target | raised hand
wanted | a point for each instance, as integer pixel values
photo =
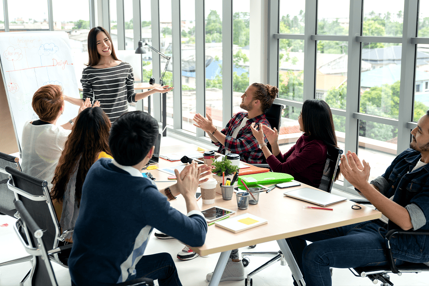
(272, 135)
(187, 185)
(204, 123)
(96, 104)
(353, 170)
(85, 104)
(163, 89)
(258, 134)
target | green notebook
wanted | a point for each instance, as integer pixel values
(264, 179)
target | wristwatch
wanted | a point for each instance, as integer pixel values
(262, 146)
(71, 122)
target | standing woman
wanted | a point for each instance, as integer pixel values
(107, 79)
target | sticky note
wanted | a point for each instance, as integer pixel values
(201, 149)
(248, 221)
(152, 167)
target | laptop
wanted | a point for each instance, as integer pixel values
(313, 196)
(155, 156)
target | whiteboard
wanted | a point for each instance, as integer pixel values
(30, 60)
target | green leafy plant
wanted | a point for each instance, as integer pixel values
(224, 165)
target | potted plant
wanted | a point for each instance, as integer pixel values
(221, 167)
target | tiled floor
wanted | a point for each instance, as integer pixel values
(192, 273)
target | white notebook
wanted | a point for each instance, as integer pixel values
(241, 222)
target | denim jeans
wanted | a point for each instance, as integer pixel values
(158, 266)
(356, 245)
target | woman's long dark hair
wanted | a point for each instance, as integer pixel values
(89, 136)
(94, 56)
(318, 123)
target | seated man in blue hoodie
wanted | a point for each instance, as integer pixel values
(119, 208)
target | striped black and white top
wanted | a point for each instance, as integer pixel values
(113, 87)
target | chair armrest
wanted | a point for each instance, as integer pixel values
(60, 248)
(389, 254)
(361, 201)
(64, 234)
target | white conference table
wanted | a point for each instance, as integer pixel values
(286, 218)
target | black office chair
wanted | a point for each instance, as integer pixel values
(6, 197)
(43, 273)
(35, 196)
(329, 173)
(381, 273)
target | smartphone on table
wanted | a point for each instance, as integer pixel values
(288, 185)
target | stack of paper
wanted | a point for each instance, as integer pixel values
(241, 222)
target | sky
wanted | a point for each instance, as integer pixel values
(78, 9)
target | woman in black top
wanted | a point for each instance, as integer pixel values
(107, 79)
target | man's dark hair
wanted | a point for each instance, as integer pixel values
(132, 136)
(427, 112)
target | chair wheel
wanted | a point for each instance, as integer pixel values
(252, 246)
(245, 261)
(248, 282)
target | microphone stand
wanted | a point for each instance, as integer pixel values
(164, 95)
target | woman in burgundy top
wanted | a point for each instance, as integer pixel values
(306, 159)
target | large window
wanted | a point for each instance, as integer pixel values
(188, 64)
(28, 15)
(146, 30)
(241, 51)
(364, 79)
(113, 23)
(213, 46)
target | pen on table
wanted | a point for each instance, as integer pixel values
(269, 189)
(319, 208)
(217, 220)
(234, 178)
(223, 178)
(248, 189)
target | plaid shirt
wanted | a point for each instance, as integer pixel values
(245, 144)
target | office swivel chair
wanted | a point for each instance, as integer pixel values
(6, 197)
(36, 247)
(381, 273)
(329, 173)
(34, 194)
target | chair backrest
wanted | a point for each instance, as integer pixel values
(42, 273)
(34, 194)
(274, 115)
(331, 168)
(6, 196)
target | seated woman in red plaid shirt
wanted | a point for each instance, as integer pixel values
(237, 136)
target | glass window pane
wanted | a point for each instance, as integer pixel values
(241, 35)
(377, 145)
(333, 21)
(340, 128)
(289, 131)
(1, 16)
(188, 64)
(27, 15)
(421, 84)
(380, 79)
(291, 69)
(292, 17)
(166, 49)
(383, 18)
(128, 19)
(423, 30)
(146, 38)
(213, 13)
(73, 18)
(113, 23)
(331, 73)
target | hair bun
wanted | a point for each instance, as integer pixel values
(272, 91)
